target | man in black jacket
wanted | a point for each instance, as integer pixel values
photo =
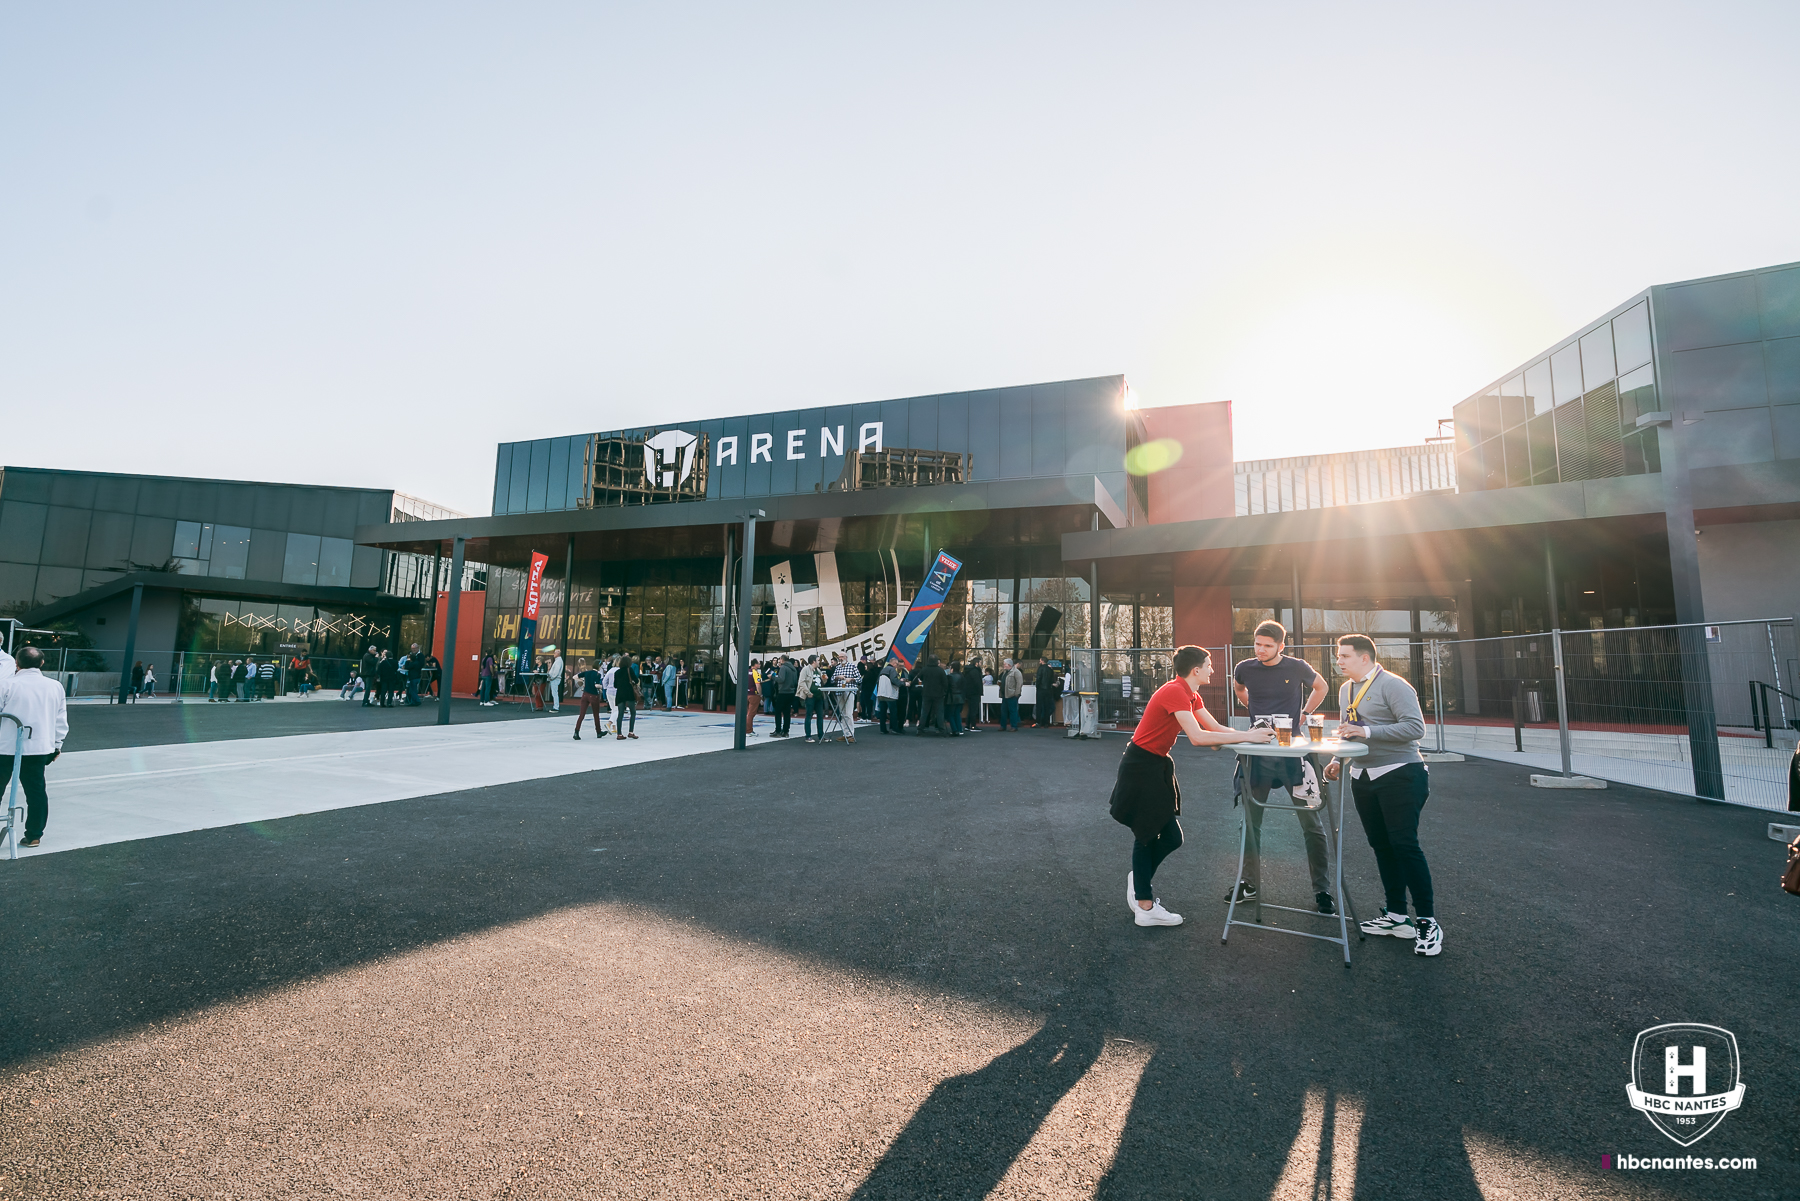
(371, 665)
(932, 686)
(972, 687)
(787, 682)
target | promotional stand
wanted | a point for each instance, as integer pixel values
(1330, 748)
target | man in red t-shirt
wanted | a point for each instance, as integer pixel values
(1146, 796)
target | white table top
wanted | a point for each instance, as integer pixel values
(1299, 749)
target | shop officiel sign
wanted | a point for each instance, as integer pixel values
(1666, 1058)
(795, 443)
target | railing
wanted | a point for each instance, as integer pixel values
(1694, 709)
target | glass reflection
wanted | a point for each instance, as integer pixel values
(1631, 336)
(1537, 387)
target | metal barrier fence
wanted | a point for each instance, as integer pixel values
(1704, 710)
(94, 672)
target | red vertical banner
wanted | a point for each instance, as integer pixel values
(534, 597)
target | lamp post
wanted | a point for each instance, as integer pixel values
(447, 666)
(742, 722)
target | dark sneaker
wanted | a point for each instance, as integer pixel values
(1244, 893)
(1397, 924)
(1430, 940)
(1326, 905)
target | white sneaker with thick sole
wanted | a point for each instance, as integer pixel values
(1430, 940)
(1156, 915)
(1131, 892)
(1397, 924)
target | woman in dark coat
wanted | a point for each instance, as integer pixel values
(626, 681)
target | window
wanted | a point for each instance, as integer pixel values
(1631, 337)
(1637, 396)
(1565, 373)
(192, 548)
(1537, 387)
(334, 562)
(230, 551)
(1597, 357)
(1514, 408)
(301, 565)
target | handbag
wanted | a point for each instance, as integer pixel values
(1790, 879)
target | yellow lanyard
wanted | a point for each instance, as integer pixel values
(1350, 714)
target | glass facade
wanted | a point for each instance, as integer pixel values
(1568, 415)
(1347, 478)
(1076, 428)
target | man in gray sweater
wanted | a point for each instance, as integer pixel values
(1389, 785)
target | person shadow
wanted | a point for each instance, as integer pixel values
(972, 1127)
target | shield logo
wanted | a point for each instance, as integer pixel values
(669, 458)
(1685, 1077)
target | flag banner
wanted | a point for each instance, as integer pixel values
(915, 627)
(534, 598)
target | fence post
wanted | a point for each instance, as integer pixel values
(1519, 715)
(1562, 701)
(1437, 690)
(131, 628)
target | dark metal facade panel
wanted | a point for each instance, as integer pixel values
(116, 493)
(268, 553)
(21, 530)
(152, 541)
(1717, 377)
(374, 506)
(73, 489)
(273, 510)
(1708, 312)
(198, 501)
(65, 537)
(365, 567)
(18, 585)
(1729, 438)
(109, 541)
(24, 484)
(307, 512)
(1782, 365)
(1779, 295)
(55, 583)
(339, 518)
(159, 498)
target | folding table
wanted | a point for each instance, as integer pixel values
(1330, 748)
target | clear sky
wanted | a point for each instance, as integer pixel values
(362, 243)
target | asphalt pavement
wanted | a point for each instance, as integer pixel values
(898, 969)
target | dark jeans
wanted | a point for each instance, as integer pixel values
(815, 709)
(931, 717)
(619, 718)
(974, 717)
(1389, 808)
(1009, 713)
(884, 715)
(31, 779)
(784, 712)
(953, 715)
(1146, 857)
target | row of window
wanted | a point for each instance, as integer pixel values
(202, 548)
(1328, 480)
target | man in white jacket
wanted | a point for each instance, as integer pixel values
(40, 705)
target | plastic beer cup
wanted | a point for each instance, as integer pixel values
(1315, 727)
(1284, 730)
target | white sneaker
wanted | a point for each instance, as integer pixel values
(1131, 892)
(1430, 940)
(1397, 924)
(1156, 915)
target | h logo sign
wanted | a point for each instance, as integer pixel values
(669, 458)
(1674, 1073)
(1683, 1051)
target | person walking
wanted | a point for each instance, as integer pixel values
(265, 674)
(212, 684)
(488, 670)
(953, 697)
(1044, 706)
(556, 683)
(371, 668)
(1012, 687)
(973, 686)
(588, 685)
(669, 676)
(625, 690)
(887, 695)
(932, 689)
(1390, 786)
(806, 696)
(42, 707)
(387, 675)
(137, 680)
(1146, 795)
(433, 669)
(1269, 683)
(150, 680)
(787, 692)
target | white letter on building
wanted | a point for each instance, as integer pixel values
(759, 445)
(869, 436)
(795, 449)
(830, 444)
(727, 446)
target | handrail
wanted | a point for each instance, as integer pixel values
(1760, 718)
(8, 806)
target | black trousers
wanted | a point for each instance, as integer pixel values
(784, 711)
(31, 779)
(1389, 808)
(626, 712)
(1146, 857)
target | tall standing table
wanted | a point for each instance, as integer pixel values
(1299, 749)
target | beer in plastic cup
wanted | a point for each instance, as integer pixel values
(1315, 727)
(1284, 730)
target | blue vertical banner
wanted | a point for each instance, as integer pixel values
(915, 627)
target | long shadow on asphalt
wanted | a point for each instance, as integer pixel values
(987, 867)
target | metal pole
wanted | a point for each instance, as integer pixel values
(1437, 689)
(137, 604)
(437, 560)
(1550, 584)
(447, 670)
(740, 720)
(568, 591)
(1562, 700)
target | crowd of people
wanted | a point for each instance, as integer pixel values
(943, 700)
